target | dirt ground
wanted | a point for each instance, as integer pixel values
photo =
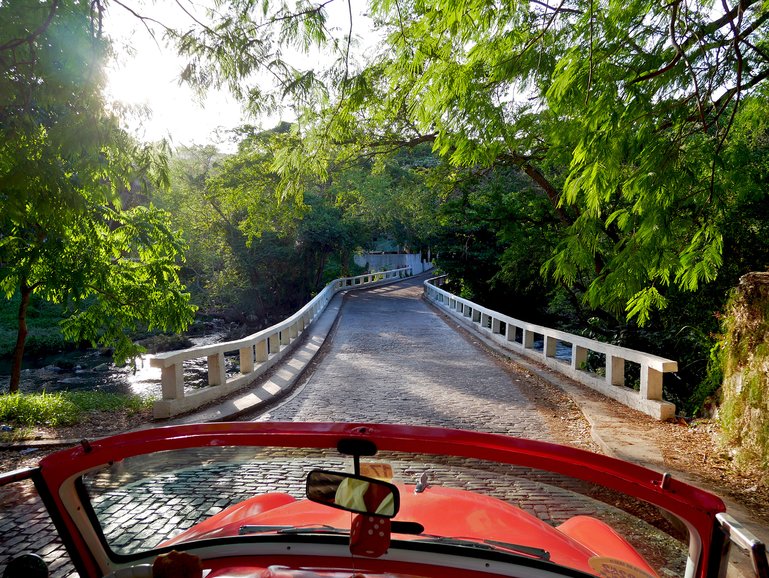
(692, 448)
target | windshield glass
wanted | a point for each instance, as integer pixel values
(251, 493)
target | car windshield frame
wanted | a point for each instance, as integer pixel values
(59, 473)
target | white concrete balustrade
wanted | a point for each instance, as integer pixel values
(258, 352)
(542, 344)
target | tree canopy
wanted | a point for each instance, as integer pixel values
(621, 113)
(67, 172)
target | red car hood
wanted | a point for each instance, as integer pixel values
(444, 512)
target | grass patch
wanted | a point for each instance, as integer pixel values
(51, 409)
(99, 401)
(64, 408)
(18, 434)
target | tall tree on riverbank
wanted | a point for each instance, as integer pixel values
(64, 163)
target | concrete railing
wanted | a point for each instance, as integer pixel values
(566, 353)
(258, 352)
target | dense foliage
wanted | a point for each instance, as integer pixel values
(256, 256)
(64, 165)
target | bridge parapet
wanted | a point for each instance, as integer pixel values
(258, 352)
(548, 346)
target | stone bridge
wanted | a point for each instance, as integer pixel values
(401, 333)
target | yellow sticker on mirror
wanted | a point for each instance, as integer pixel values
(614, 568)
(378, 471)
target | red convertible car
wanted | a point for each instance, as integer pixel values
(311, 500)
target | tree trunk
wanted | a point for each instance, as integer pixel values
(321, 267)
(18, 351)
(344, 258)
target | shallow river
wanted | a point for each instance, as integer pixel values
(90, 370)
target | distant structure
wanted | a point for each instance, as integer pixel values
(384, 254)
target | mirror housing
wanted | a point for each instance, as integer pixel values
(353, 493)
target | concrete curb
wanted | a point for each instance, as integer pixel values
(590, 409)
(264, 393)
(44, 444)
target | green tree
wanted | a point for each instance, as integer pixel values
(208, 267)
(392, 195)
(64, 164)
(251, 248)
(620, 113)
(495, 232)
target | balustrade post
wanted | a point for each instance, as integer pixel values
(293, 331)
(651, 383)
(484, 320)
(285, 339)
(172, 381)
(615, 370)
(496, 326)
(246, 359)
(274, 343)
(216, 369)
(476, 315)
(550, 346)
(528, 339)
(261, 351)
(510, 332)
(578, 357)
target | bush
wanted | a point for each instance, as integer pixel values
(51, 409)
(744, 410)
(64, 408)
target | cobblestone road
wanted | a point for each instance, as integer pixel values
(391, 359)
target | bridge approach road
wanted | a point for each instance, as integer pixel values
(393, 359)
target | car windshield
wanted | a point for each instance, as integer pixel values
(147, 502)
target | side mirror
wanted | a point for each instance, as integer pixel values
(353, 493)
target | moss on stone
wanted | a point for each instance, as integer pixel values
(744, 411)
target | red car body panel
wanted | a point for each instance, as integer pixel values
(442, 511)
(695, 506)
